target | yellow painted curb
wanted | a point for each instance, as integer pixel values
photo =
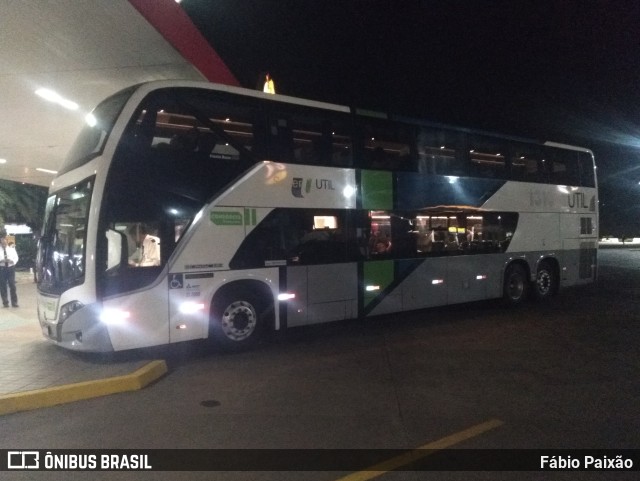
(40, 398)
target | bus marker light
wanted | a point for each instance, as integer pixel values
(481, 277)
(91, 120)
(285, 296)
(372, 288)
(348, 191)
(190, 307)
(114, 317)
(437, 281)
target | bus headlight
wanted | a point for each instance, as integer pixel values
(68, 309)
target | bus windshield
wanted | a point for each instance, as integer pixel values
(63, 245)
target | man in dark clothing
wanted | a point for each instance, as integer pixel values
(8, 261)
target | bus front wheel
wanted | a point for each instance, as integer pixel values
(237, 320)
(515, 285)
(546, 284)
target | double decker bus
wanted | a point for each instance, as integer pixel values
(191, 210)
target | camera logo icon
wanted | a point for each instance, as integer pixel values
(23, 460)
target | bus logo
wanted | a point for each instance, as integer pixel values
(577, 200)
(296, 187)
(226, 218)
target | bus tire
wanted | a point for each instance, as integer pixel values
(238, 319)
(516, 285)
(546, 283)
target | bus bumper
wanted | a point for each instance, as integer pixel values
(81, 331)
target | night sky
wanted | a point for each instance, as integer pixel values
(563, 70)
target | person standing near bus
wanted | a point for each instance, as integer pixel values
(8, 261)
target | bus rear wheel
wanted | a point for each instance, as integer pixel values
(516, 285)
(237, 320)
(546, 284)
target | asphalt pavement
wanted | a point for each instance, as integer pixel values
(34, 373)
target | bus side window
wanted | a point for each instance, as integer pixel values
(403, 237)
(393, 235)
(487, 157)
(387, 145)
(440, 152)
(324, 238)
(526, 163)
(587, 171)
(497, 230)
(268, 241)
(358, 228)
(562, 166)
(310, 136)
(341, 147)
(281, 146)
(379, 234)
(295, 237)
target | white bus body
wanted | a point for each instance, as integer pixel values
(269, 212)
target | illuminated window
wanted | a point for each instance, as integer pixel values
(325, 222)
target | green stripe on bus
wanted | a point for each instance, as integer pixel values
(249, 216)
(377, 190)
(377, 276)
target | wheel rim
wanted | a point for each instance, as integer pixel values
(239, 320)
(515, 286)
(543, 282)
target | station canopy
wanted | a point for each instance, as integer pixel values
(59, 59)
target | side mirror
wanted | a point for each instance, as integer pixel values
(115, 241)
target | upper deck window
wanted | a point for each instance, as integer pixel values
(92, 138)
(487, 157)
(386, 145)
(303, 135)
(562, 166)
(440, 152)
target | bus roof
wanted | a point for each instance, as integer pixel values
(153, 85)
